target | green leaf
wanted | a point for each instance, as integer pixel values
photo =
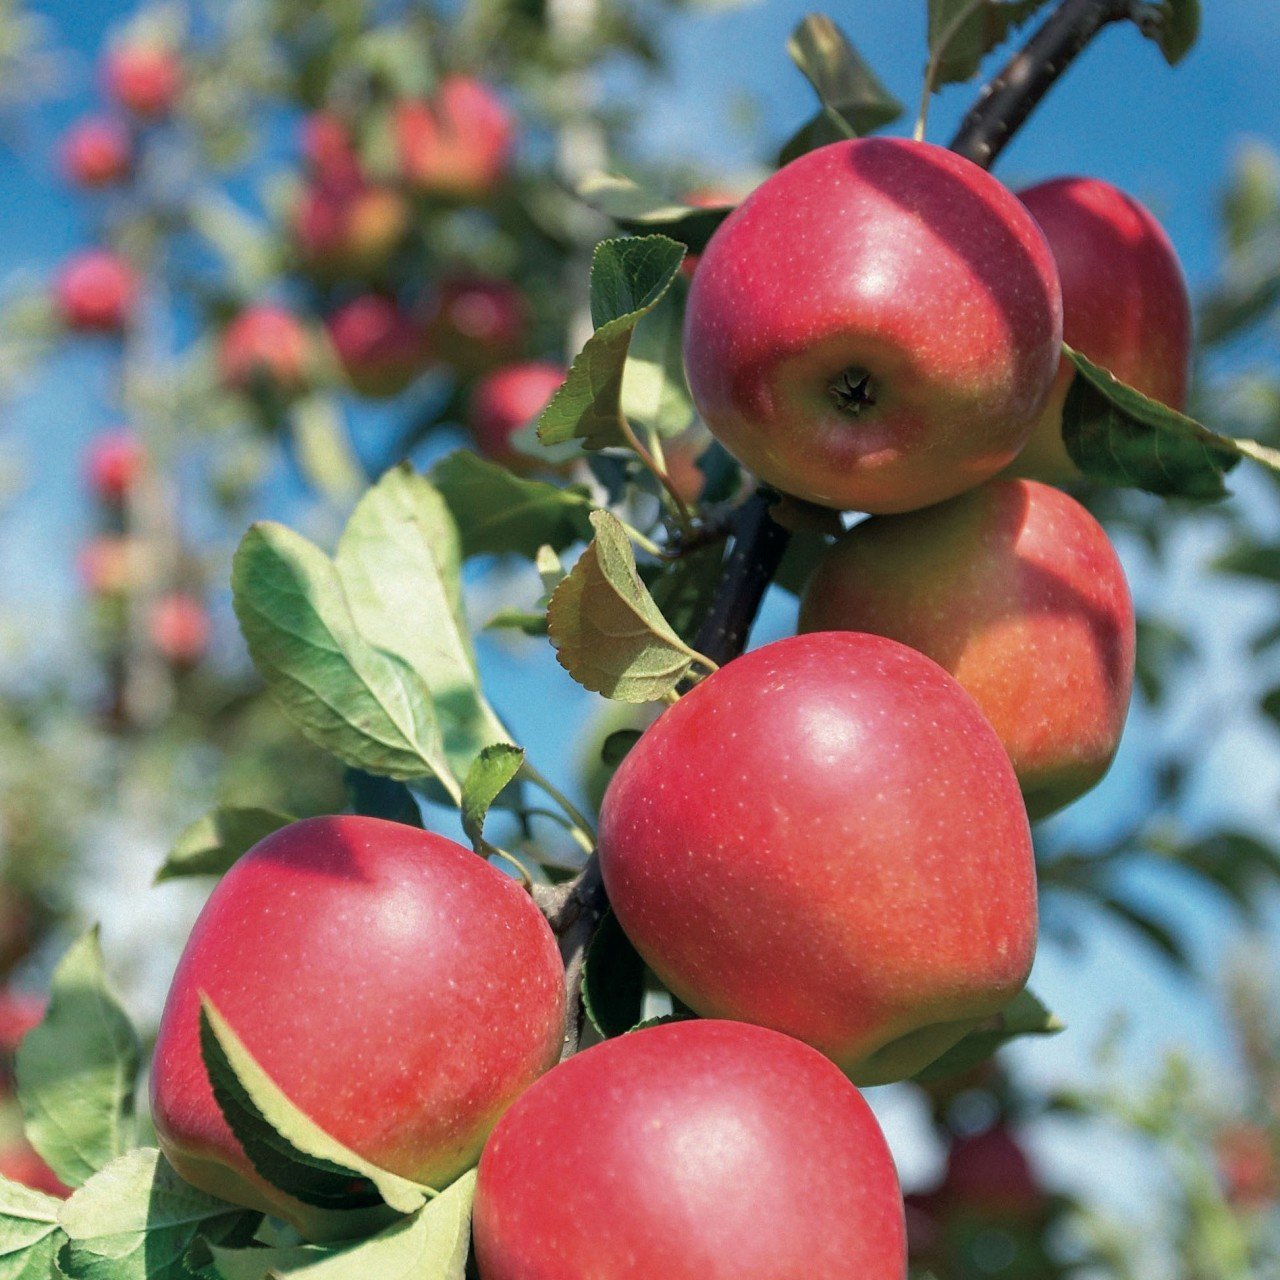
(1116, 434)
(655, 395)
(1251, 560)
(608, 633)
(136, 1219)
(854, 102)
(628, 279)
(612, 980)
(1023, 1016)
(432, 1244)
(636, 209)
(213, 842)
(376, 797)
(78, 1070)
(1248, 291)
(1161, 649)
(286, 1147)
(1158, 934)
(614, 749)
(497, 511)
(963, 32)
(399, 560)
(522, 620)
(683, 590)
(1239, 865)
(1178, 29)
(494, 770)
(324, 450)
(30, 1237)
(365, 706)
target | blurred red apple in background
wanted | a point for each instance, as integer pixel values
(356, 228)
(477, 322)
(113, 464)
(329, 152)
(179, 628)
(1016, 590)
(265, 348)
(456, 144)
(97, 152)
(504, 401)
(1124, 304)
(697, 1150)
(104, 565)
(382, 347)
(95, 290)
(1248, 1166)
(144, 77)
(990, 1176)
(398, 989)
(876, 327)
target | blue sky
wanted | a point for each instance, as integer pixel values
(1165, 135)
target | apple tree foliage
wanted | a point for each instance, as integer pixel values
(362, 624)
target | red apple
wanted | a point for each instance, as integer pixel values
(329, 152)
(1124, 304)
(143, 76)
(20, 1163)
(179, 627)
(397, 988)
(97, 152)
(876, 327)
(382, 347)
(355, 228)
(1248, 1167)
(826, 837)
(690, 1151)
(477, 322)
(113, 464)
(1017, 591)
(989, 1176)
(95, 291)
(265, 348)
(456, 144)
(18, 1014)
(506, 400)
(105, 564)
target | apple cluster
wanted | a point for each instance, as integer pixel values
(823, 848)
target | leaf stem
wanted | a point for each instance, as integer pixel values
(934, 66)
(683, 514)
(571, 811)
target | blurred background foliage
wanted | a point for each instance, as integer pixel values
(299, 302)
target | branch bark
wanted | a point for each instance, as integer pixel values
(1004, 104)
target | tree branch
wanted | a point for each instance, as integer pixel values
(1005, 103)
(574, 910)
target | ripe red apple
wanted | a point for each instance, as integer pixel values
(477, 322)
(354, 228)
(397, 988)
(1124, 304)
(1016, 590)
(382, 347)
(265, 348)
(143, 76)
(97, 152)
(690, 1151)
(179, 627)
(876, 327)
(1248, 1166)
(826, 837)
(113, 464)
(506, 400)
(989, 1176)
(457, 144)
(329, 152)
(95, 291)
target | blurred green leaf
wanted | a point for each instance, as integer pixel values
(1251, 560)
(1178, 29)
(612, 980)
(1162, 648)
(655, 395)
(635, 209)
(963, 32)
(78, 1070)
(213, 842)
(629, 277)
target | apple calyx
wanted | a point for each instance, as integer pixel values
(853, 391)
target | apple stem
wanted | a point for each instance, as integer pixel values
(683, 515)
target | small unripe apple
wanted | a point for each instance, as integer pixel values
(1017, 591)
(690, 1151)
(876, 327)
(506, 400)
(95, 291)
(97, 152)
(398, 989)
(143, 76)
(477, 322)
(1124, 304)
(457, 144)
(265, 348)
(179, 627)
(382, 347)
(989, 1175)
(104, 565)
(113, 464)
(826, 837)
